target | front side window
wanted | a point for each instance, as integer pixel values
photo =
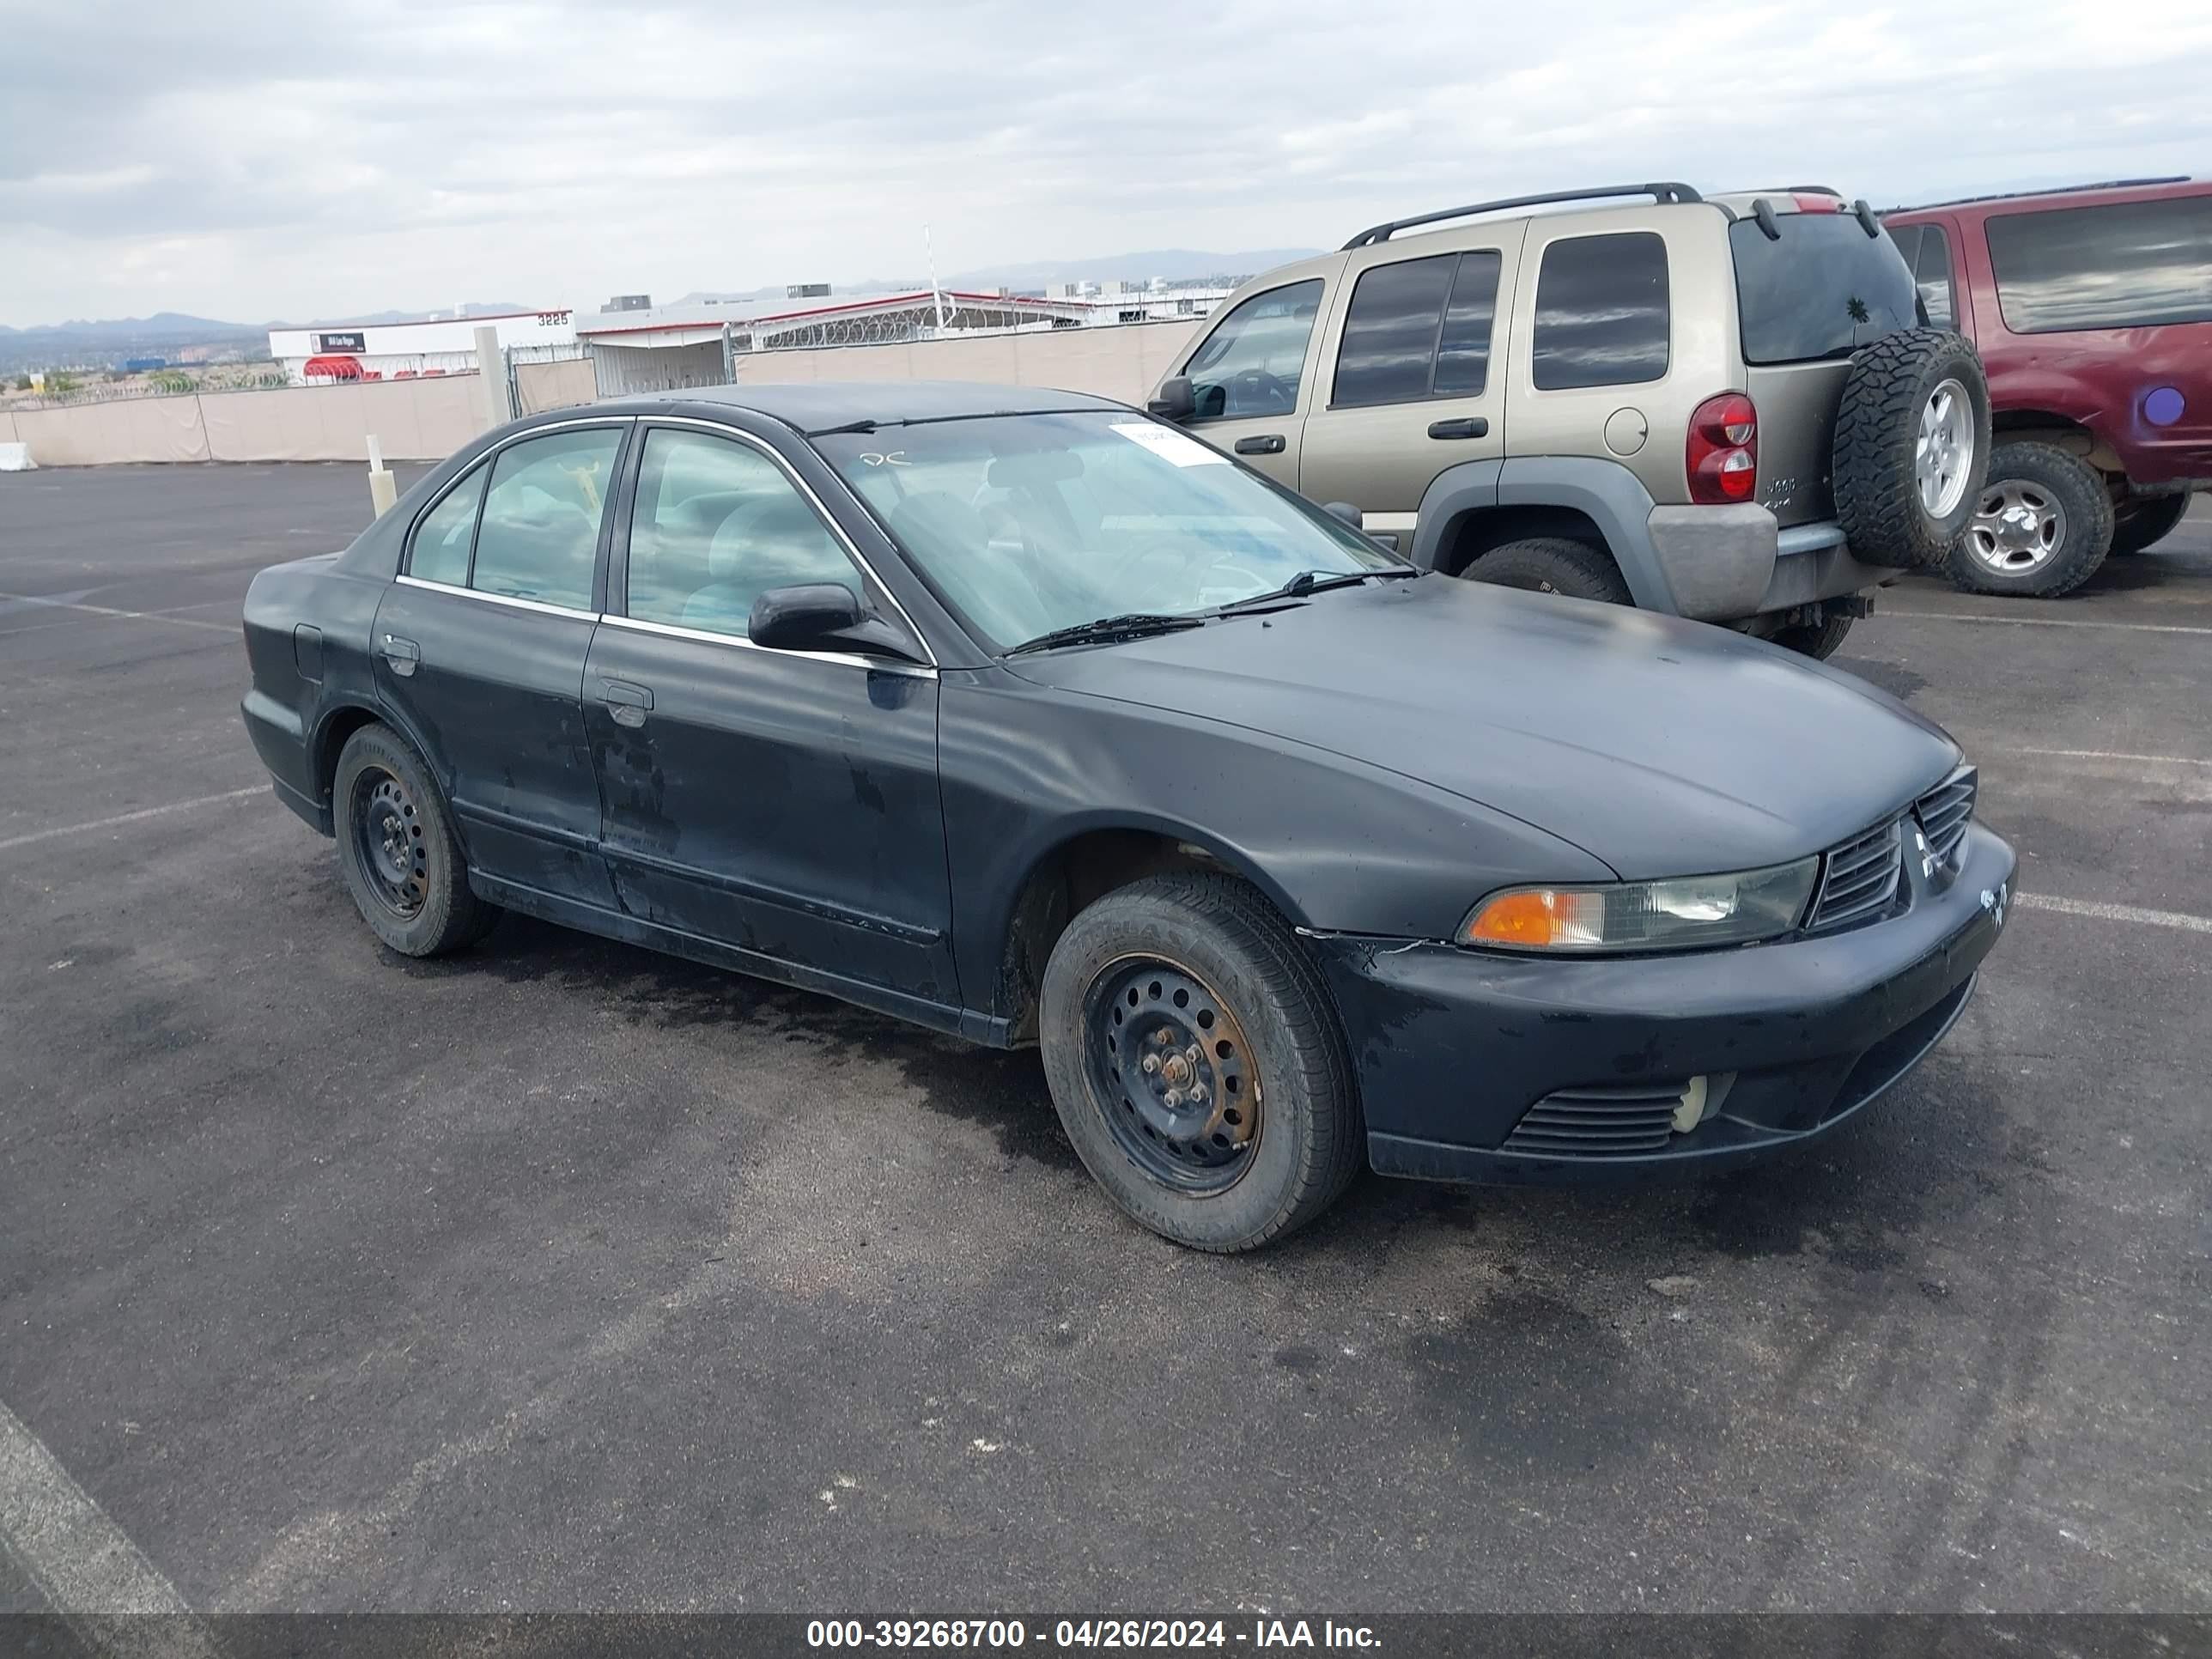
(1932, 271)
(1601, 311)
(2129, 266)
(716, 525)
(1417, 329)
(1024, 523)
(440, 548)
(539, 538)
(1252, 362)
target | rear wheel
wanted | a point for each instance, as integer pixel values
(2142, 521)
(1820, 640)
(1195, 1061)
(2043, 525)
(398, 852)
(1553, 564)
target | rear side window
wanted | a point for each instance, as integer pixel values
(539, 538)
(1824, 289)
(2128, 266)
(1417, 329)
(440, 551)
(1252, 362)
(1601, 311)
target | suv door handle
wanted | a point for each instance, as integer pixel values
(402, 654)
(1473, 427)
(627, 703)
(1269, 444)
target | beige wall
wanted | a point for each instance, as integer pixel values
(1123, 363)
(540, 386)
(140, 429)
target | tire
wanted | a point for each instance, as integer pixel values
(397, 849)
(2045, 525)
(2144, 521)
(1918, 395)
(1553, 564)
(1228, 1177)
(1818, 641)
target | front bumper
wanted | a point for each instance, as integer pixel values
(1453, 1048)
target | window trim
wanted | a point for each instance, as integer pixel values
(873, 583)
(1536, 309)
(1312, 333)
(1435, 341)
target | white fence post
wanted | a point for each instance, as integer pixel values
(491, 369)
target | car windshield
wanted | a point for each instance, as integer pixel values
(1028, 524)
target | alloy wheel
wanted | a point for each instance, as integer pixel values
(2019, 527)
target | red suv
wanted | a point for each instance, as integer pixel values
(2092, 310)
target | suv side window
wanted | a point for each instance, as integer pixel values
(716, 524)
(539, 538)
(440, 551)
(1417, 329)
(1252, 362)
(1601, 311)
(2126, 266)
(1932, 271)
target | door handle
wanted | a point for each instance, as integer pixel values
(402, 654)
(627, 703)
(1269, 444)
(1473, 427)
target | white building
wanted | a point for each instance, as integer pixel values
(404, 351)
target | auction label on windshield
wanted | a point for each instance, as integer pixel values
(1169, 445)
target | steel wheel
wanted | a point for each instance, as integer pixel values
(1174, 1074)
(1943, 455)
(2018, 527)
(388, 841)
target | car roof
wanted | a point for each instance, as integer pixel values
(809, 408)
(2103, 194)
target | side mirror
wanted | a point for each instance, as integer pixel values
(1174, 401)
(1344, 512)
(804, 616)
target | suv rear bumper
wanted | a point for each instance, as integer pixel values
(1724, 563)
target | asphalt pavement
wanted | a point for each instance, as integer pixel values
(561, 1275)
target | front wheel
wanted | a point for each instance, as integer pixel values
(2043, 525)
(1195, 1061)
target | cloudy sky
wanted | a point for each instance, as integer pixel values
(247, 159)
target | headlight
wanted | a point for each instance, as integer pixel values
(1689, 913)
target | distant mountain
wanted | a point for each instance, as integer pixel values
(82, 344)
(1173, 265)
(162, 325)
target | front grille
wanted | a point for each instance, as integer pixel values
(1858, 880)
(1600, 1121)
(1946, 811)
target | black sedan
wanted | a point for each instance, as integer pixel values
(1025, 717)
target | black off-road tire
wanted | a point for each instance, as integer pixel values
(2144, 521)
(1308, 1140)
(1818, 641)
(1553, 564)
(2078, 488)
(378, 773)
(1877, 438)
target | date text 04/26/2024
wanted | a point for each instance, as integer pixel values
(1006, 1634)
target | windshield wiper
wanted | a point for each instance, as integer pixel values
(1313, 581)
(1136, 625)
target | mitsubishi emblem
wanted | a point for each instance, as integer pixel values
(1927, 854)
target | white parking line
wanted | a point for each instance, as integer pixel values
(2127, 913)
(110, 610)
(131, 818)
(2103, 755)
(88, 1570)
(2046, 622)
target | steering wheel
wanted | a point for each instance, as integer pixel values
(1259, 392)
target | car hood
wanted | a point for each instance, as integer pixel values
(1663, 747)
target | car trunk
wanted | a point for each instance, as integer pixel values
(1808, 296)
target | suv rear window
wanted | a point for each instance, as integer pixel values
(1824, 290)
(1602, 317)
(2127, 266)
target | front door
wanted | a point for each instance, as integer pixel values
(479, 653)
(1248, 379)
(785, 803)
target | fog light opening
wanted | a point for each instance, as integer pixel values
(1701, 1100)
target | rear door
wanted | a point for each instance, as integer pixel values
(1409, 387)
(479, 652)
(1252, 378)
(784, 802)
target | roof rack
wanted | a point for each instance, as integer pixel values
(2054, 190)
(1661, 191)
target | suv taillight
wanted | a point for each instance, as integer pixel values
(1723, 453)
